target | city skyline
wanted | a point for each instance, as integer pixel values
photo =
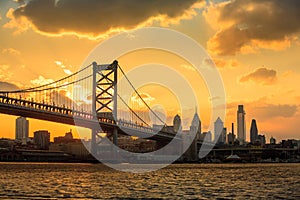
(149, 99)
(258, 70)
(220, 131)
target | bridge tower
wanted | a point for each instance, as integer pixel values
(104, 98)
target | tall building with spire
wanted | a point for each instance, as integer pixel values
(253, 132)
(192, 137)
(196, 124)
(177, 124)
(218, 129)
(241, 125)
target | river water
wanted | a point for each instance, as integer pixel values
(180, 181)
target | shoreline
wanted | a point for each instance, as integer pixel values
(146, 163)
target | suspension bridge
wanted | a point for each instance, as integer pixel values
(90, 98)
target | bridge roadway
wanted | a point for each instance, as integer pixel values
(54, 113)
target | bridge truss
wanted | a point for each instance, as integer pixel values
(91, 94)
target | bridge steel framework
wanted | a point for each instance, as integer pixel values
(44, 103)
(104, 99)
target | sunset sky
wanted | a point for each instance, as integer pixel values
(254, 43)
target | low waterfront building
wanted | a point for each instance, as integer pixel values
(68, 138)
(272, 140)
(261, 139)
(206, 135)
(137, 145)
(42, 139)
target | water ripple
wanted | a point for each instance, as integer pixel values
(187, 181)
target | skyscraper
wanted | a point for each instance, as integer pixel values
(223, 136)
(196, 125)
(231, 136)
(22, 129)
(195, 128)
(218, 126)
(253, 132)
(241, 125)
(177, 123)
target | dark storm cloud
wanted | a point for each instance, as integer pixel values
(263, 75)
(95, 17)
(5, 86)
(246, 20)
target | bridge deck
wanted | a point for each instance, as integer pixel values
(54, 113)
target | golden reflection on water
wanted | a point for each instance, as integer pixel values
(230, 181)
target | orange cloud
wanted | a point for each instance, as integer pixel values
(64, 68)
(287, 129)
(263, 76)
(146, 97)
(11, 51)
(41, 81)
(5, 86)
(226, 63)
(188, 67)
(11, 56)
(5, 74)
(20, 24)
(220, 63)
(263, 110)
(97, 18)
(19, 1)
(244, 26)
(269, 111)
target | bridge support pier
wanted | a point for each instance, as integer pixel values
(189, 142)
(115, 136)
(104, 99)
(160, 144)
(171, 150)
(94, 142)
